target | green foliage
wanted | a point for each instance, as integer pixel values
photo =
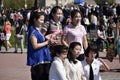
(102, 1)
(12, 40)
(17, 4)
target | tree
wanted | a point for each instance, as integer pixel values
(18, 4)
(1, 4)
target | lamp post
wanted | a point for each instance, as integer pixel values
(57, 2)
(1, 4)
(25, 5)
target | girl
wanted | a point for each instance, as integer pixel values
(54, 29)
(74, 67)
(38, 54)
(8, 33)
(57, 69)
(75, 32)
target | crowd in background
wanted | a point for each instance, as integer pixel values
(51, 32)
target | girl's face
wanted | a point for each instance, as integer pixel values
(76, 51)
(63, 56)
(91, 55)
(77, 18)
(40, 21)
(58, 15)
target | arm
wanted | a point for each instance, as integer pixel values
(105, 66)
(85, 43)
(98, 32)
(63, 41)
(38, 45)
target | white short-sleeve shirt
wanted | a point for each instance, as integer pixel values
(96, 69)
(75, 34)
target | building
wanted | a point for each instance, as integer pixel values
(45, 3)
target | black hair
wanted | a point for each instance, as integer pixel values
(73, 13)
(53, 11)
(70, 54)
(59, 49)
(92, 47)
(34, 15)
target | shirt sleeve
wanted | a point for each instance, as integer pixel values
(84, 31)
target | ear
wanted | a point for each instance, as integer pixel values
(53, 14)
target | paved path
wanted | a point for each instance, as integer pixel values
(13, 67)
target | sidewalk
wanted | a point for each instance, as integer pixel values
(11, 50)
(13, 66)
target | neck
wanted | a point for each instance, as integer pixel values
(89, 61)
(75, 25)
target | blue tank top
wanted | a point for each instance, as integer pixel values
(35, 56)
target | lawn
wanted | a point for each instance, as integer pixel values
(12, 39)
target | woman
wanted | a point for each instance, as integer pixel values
(57, 69)
(110, 35)
(55, 26)
(38, 54)
(117, 38)
(8, 33)
(54, 29)
(75, 32)
(74, 67)
(102, 38)
(92, 63)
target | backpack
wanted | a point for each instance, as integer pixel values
(2, 36)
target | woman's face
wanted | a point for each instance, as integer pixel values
(76, 51)
(40, 21)
(58, 15)
(77, 18)
(63, 56)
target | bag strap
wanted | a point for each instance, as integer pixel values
(21, 29)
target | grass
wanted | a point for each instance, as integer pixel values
(12, 39)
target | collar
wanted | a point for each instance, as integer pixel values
(53, 22)
(76, 26)
(58, 59)
(37, 28)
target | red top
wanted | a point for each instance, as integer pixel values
(8, 29)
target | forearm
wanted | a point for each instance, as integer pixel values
(85, 43)
(37, 45)
(64, 42)
(104, 64)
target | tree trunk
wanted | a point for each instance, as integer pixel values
(57, 2)
(35, 4)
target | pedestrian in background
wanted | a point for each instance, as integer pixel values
(117, 38)
(19, 36)
(38, 54)
(7, 27)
